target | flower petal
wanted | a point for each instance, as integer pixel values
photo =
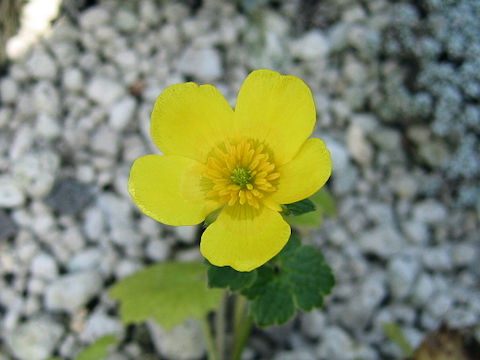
(190, 120)
(244, 238)
(168, 189)
(305, 174)
(276, 109)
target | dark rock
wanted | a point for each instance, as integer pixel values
(7, 226)
(70, 197)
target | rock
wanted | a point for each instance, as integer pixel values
(339, 154)
(122, 113)
(94, 225)
(423, 290)
(41, 66)
(313, 324)
(186, 234)
(8, 90)
(93, 17)
(126, 20)
(416, 231)
(157, 250)
(105, 141)
(301, 354)
(104, 91)
(358, 146)
(72, 291)
(437, 258)
(183, 342)
(100, 324)
(44, 266)
(383, 240)
(434, 153)
(47, 126)
(438, 306)
(87, 259)
(34, 340)
(7, 226)
(73, 79)
(464, 254)
(402, 272)
(68, 196)
(336, 344)
(430, 211)
(387, 139)
(313, 45)
(11, 194)
(203, 64)
(22, 141)
(35, 172)
(46, 99)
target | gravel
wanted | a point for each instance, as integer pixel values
(74, 115)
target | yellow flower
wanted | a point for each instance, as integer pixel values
(245, 162)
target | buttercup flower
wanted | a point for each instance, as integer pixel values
(245, 162)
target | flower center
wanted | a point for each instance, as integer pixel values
(241, 173)
(241, 176)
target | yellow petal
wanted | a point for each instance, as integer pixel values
(168, 189)
(190, 120)
(276, 109)
(244, 238)
(305, 174)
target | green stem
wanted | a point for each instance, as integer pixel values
(220, 328)
(242, 325)
(209, 339)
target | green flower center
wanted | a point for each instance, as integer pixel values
(241, 176)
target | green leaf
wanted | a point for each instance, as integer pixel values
(324, 204)
(298, 208)
(211, 217)
(168, 292)
(299, 278)
(394, 333)
(99, 349)
(225, 276)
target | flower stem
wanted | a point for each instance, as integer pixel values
(242, 323)
(220, 327)
(207, 331)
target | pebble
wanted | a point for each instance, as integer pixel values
(41, 66)
(402, 272)
(87, 259)
(72, 291)
(44, 266)
(99, 324)
(430, 212)
(204, 64)
(437, 258)
(383, 240)
(358, 146)
(73, 79)
(7, 227)
(68, 196)
(183, 342)
(122, 113)
(104, 91)
(423, 290)
(46, 99)
(313, 324)
(8, 90)
(105, 141)
(94, 17)
(47, 126)
(11, 195)
(313, 45)
(157, 250)
(35, 339)
(186, 234)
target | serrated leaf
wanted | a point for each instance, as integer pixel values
(168, 292)
(99, 349)
(300, 207)
(324, 204)
(299, 278)
(225, 276)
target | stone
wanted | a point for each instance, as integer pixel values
(416, 231)
(94, 224)
(438, 306)
(186, 234)
(35, 339)
(73, 79)
(93, 17)
(47, 126)
(402, 272)
(336, 344)
(464, 254)
(157, 250)
(313, 324)
(104, 91)
(35, 172)
(204, 64)
(313, 45)
(11, 195)
(22, 141)
(382, 240)
(44, 266)
(126, 20)
(72, 291)
(8, 90)
(437, 258)
(46, 99)
(69, 197)
(358, 146)
(41, 66)
(87, 259)
(99, 324)
(183, 342)
(8, 228)
(122, 113)
(423, 290)
(105, 141)
(430, 211)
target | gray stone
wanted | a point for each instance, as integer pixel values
(69, 196)
(204, 64)
(465, 254)
(437, 258)
(430, 211)
(8, 90)
(313, 324)
(416, 231)
(47, 126)
(87, 259)
(73, 79)
(22, 140)
(313, 45)
(439, 305)
(36, 171)
(105, 141)
(157, 250)
(104, 91)
(423, 290)
(7, 226)
(44, 266)
(383, 240)
(46, 99)
(336, 344)
(358, 146)
(72, 291)
(183, 342)
(94, 17)
(94, 225)
(186, 234)
(34, 340)
(41, 66)
(402, 272)
(434, 153)
(11, 194)
(122, 113)
(126, 20)
(100, 324)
